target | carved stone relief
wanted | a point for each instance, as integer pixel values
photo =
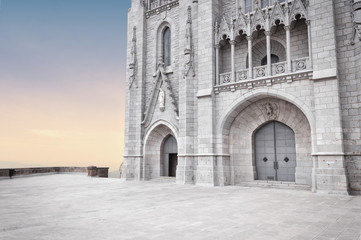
(270, 110)
(356, 16)
(160, 72)
(265, 18)
(161, 100)
(188, 51)
(133, 62)
(160, 77)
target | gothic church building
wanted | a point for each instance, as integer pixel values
(237, 92)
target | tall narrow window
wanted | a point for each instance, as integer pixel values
(166, 47)
(264, 3)
(248, 5)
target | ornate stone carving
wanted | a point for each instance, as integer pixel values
(161, 100)
(133, 62)
(265, 18)
(156, 9)
(160, 72)
(226, 78)
(259, 19)
(222, 30)
(301, 64)
(188, 51)
(241, 23)
(280, 68)
(260, 71)
(298, 7)
(277, 14)
(160, 77)
(270, 110)
(356, 17)
(242, 75)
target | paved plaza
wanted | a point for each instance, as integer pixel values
(66, 206)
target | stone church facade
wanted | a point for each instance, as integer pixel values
(228, 92)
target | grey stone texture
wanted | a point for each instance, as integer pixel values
(316, 87)
(68, 206)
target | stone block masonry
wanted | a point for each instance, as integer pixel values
(231, 73)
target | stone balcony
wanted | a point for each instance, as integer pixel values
(301, 69)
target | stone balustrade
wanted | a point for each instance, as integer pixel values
(280, 68)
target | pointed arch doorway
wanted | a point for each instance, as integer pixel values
(275, 152)
(170, 156)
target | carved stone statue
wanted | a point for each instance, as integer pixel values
(133, 62)
(188, 51)
(271, 110)
(160, 70)
(161, 100)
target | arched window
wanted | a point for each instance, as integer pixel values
(274, 59)
(264, 3)
(166, 47)
(248, 5)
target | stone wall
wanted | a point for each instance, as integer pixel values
(4, 172)
(322, 104)
(349, 69)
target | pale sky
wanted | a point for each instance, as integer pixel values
(62, 78)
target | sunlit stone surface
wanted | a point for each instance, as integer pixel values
(79, 207)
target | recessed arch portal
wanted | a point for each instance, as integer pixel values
(237, 133)
(155, 146)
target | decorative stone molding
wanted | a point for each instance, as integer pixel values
(264, 82)
(160, 77)
(223, 30)
(258, 19)
(277, 14)
(188, 51)
(155, 10)
(356, 17)
(248, 23)
(133, 62)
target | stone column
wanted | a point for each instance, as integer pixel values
(204, 155)
(314, 173)
(217, 64)
(331, 176)
(187, 92)
(132, 168)
(269, 61)
(233, 77)
(250, 67)
(308, 22)
(288, 40)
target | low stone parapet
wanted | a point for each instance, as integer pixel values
(94, 171)
(17, 172)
